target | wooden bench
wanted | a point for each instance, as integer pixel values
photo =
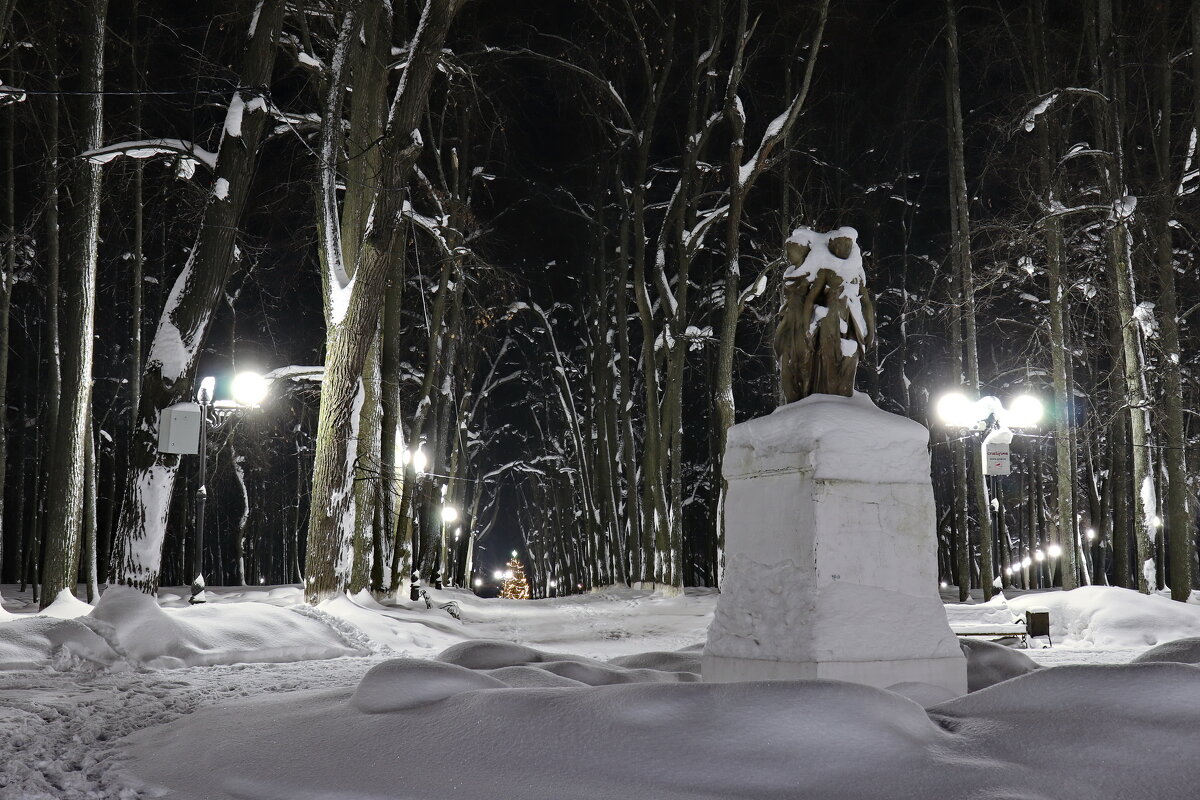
(995, 630)
(1035, 624)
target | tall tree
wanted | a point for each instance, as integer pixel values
(356, 299)
(960, 250)
(1110, 113)
(1180, 528)
(170, 369)
(69, 454)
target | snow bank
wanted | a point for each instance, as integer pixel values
(141, 632)
(1108, 616)
(440, 730)
(129, 629)
(27, 644)
(272, 624)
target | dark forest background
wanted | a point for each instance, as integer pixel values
(579, 157)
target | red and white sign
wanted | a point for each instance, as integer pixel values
(996, 459)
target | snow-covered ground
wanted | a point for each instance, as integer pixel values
(592, 696)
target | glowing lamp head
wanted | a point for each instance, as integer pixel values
(553, 583)
(249, 389)
(498, 575)
(1027, 562)
(1091, 534)
(1157, 521)
(205, 393)
(956, 410)
(478, 582)
(417, 459)
(449, 513)
(1039, 556)
(1025, 411)
(1054, 551)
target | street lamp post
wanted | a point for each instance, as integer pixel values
(448, 515)
(415, 459)
(249, 389)
(994, 421)
(204, 398)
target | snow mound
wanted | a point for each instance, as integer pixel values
(1108, 616)
(403, 683)
(527, 677)
(1180, 651)
(597, 674)
(26, 643)
(490, 654)
(678, 661)
(521, 663)
(66, 606)
(989, 663)
(141, 633)
(803, 739)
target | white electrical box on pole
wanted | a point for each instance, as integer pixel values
(179, 429)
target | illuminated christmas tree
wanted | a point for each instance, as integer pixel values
(516, 586)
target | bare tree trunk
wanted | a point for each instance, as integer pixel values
(1180, 529)
(1121, 276)
(368, 548)
(9, 232)
(90, 575)
(961, 250)
(171, 363)
(1059, 355)
(64, 513)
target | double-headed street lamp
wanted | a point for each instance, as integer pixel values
(994, 421)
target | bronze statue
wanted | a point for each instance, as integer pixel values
(827, 320)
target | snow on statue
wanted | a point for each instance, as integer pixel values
(827, 319)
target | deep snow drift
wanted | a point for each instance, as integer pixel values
(592, 696)
(417, 728)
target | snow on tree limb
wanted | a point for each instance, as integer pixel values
(780, 127)
(148, 148)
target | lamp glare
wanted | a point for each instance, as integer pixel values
(249, 389)
(1025, 411)
(955, 409)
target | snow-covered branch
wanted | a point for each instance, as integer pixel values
(148, 148)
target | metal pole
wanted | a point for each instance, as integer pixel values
(414, 578)
(201, 500)
(440, 566)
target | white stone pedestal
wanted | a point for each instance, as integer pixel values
(831, 554)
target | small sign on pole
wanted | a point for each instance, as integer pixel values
(996, 458)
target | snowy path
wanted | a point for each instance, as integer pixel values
(60, 732)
